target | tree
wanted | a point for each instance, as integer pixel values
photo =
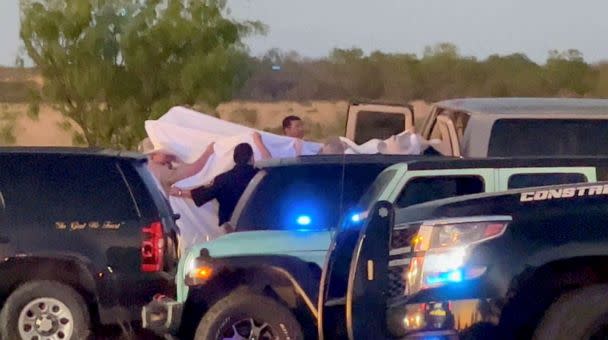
(111, 64)
(568, 72)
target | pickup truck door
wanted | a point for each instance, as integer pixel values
(450, 143)
(357, 302)
(367, 121)
(430, 121)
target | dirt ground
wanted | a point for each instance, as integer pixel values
(324, 118)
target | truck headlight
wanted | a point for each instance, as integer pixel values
(442, 247)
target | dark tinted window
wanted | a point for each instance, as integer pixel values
(305, 197)
(150, 200)
(380, 125)
(526, 137)
(65, 189)
(424, 189)
(538, 180)
(602, 173)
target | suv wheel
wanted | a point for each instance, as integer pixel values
(44, 310)
(244, 316)
(580, 314)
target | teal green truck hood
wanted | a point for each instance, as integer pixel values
(310, 246)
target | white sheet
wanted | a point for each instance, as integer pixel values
(187, 133)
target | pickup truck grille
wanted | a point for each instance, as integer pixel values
(399, 259)
(396, 281)
(401, 238)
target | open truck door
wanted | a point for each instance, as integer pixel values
(353, 295)
(367, 121)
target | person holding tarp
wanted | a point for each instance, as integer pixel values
(161, 164)
(226, 188)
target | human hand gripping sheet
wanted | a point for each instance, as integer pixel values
(186, 134)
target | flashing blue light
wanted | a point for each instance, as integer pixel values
(303, 220)
(355, 218)
(453, 276)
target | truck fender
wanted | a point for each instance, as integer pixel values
(69, 269)
(259, 272)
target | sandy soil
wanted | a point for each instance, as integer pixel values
(49, 129)
(324, 118)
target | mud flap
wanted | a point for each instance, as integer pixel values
(352, 297)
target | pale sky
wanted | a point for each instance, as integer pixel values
(477, 27)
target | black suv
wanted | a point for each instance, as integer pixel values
(86, 239)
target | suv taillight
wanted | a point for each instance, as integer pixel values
(152, 248)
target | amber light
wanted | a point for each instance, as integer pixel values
(202, 273)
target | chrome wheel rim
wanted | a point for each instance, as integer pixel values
(247, 329)
(46, 319)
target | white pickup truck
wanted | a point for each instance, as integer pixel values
(493, 127)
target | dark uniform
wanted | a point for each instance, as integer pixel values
(227, 189)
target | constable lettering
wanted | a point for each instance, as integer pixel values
(568, 192)
(541, 195)
(555, 193)
(550, 194)
(596, 190)
(527, 197)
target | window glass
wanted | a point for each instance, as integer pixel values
(381, 125)
(538, 180)
(377, 187)
(64, 188)
(424, 189)
(545, 137)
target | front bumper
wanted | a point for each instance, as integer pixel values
(443, 320)
(163, 317)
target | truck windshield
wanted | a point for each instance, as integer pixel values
(375, 190)
(305, 197)
(527, 137)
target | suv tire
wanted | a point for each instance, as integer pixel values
(576, 315)
(58, 307)
(248, 313)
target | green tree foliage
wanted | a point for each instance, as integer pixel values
(442, 72)
(111, 64)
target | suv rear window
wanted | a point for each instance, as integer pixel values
(538, 137)
(425, 189)
(519, 181)
(382, 125)
(305, 197)
(65, 189)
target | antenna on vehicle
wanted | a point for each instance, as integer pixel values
(342, 184)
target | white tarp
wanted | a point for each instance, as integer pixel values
(187, 133)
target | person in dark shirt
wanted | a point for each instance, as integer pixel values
(226, 188)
